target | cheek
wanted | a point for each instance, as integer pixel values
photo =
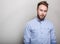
(39, 12)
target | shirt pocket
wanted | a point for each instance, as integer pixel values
(34, 33)
(46, 30)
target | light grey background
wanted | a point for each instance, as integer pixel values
(15, 13)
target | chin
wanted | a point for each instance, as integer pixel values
(41, 18)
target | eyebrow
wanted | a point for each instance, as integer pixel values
(42, 10)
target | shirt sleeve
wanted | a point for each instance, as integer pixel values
(53, 36)
(27, 35)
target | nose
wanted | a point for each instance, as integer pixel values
(42, 12)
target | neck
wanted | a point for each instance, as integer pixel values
(40, 19)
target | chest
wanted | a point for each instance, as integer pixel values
(40, 30)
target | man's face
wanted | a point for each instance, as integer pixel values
(41, 12)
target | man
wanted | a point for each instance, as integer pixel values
(40, 30)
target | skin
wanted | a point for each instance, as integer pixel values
(41, 12)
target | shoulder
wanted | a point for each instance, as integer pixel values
(31, 22)
(50, 23)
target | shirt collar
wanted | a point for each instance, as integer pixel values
(40, 20)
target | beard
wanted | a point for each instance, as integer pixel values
(39, 17)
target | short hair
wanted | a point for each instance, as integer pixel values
(42, 3)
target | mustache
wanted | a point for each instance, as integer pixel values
(42, 15)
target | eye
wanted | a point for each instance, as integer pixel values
(45, 10)
(41, 10)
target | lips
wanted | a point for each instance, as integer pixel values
(41, 15)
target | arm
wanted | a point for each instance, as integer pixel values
(27, 35)
(53, 37)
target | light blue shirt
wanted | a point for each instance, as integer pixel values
(39, 32)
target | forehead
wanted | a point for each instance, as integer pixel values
(43, 7)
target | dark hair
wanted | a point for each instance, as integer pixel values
(43, 3)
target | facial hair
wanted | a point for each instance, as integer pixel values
(41, 19)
